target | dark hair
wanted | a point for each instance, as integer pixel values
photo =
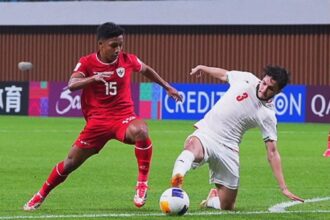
(279, 74)
(108, 30)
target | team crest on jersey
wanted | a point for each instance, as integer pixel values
(120, 71)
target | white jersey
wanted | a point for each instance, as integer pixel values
(238, 110)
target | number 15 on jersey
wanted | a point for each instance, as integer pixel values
(111, 88)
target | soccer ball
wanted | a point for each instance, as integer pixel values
(174, 201)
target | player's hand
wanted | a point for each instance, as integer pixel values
(174, 94)
(291, 196)
(101, 77)
(196, 71)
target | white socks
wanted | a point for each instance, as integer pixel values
(213, 202)
(183, 163)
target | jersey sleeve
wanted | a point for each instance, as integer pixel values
(238, 76)
(268, 127)
(81, 66)
(136, 63)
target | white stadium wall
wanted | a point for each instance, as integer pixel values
(204, 12)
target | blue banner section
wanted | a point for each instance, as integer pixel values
(291, 104)
(199, 98)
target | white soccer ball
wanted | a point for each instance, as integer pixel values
(174, 201)
(24, 66)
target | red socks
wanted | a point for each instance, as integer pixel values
(56, 177)
(143, 152)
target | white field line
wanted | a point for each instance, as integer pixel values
(126, 215)
(276, 209)
(282, 206)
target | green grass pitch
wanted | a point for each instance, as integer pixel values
(103, 188)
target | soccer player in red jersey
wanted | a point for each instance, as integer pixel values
(107, 106)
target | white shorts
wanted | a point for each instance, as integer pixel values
(223, 161)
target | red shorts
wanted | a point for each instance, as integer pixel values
(97, 132)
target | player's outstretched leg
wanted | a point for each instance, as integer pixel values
(182, 165)
(143, 153)
(56, 177)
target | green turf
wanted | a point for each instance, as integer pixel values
(30, 147)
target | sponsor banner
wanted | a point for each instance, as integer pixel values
(63, 102)
(297, 103)
(38, 98)
(197, 100)
(290, 104)
(14, 98)
(318, 104)
(135, 90)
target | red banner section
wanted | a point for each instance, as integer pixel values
(38, 98)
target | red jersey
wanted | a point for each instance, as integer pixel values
(111, 99)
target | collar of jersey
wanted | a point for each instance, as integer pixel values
(112, 63)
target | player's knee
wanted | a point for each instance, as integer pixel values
(137, 130)
(193, 145)
(140, 133)
(143, 134)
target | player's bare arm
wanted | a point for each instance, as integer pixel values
(274, 160)
(215, 72)
(151, 74)
(79, 81)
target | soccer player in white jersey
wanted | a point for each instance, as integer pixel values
(246, 104)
